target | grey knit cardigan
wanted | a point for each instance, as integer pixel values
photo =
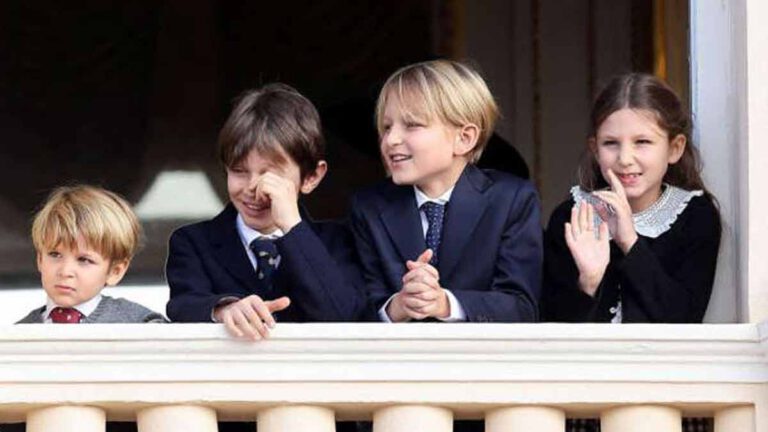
(109, 310)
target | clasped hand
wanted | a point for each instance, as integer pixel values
(421, 295)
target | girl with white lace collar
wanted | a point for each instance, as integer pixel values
(639, 237)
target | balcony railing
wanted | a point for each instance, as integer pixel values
(415, 377)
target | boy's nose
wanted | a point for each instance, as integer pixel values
(66, 269)
(253, 181)
(392, 137)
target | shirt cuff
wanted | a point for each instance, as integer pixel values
(383, 311)
(457, 311)
(222, 302)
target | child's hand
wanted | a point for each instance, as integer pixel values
(621, 225)
(283, 197)
(591, 254)
(421, 295)
(250, 317)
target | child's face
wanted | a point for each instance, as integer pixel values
(420, 152)
(71, 277)
(242, 185)
(631, 143)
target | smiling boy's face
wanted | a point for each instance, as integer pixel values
(242, 185)
(418, 150)
(73, 276)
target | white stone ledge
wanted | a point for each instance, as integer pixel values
(734, 353)
(355, 369)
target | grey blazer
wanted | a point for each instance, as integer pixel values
(109, 310)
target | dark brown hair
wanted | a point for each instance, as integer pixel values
(645, 92)
(276, 121)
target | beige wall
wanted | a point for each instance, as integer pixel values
(756, 189)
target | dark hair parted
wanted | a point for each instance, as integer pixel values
(640, 91)
(276, 121)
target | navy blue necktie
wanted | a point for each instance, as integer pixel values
(266, 259)
(435, 216)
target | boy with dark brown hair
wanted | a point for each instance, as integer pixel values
(262, 256)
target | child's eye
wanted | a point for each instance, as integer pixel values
(54, 254)
(413, 125)
(610, 142)
(643, 141)
(237, 170)
(86, 260)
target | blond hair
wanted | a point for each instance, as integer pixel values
(103, 219)
(446, 90)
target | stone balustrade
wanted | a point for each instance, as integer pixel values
(415, 377)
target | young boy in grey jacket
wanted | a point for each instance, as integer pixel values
(85, 237)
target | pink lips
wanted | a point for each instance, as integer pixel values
(628, 179)
(64, 288)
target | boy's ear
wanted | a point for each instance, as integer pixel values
(39, 261)
(116, 272)
(314, 178)
(466, 139)
(677, 148)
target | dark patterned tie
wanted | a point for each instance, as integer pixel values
(62, 315)
(265, 251)
(435, 215)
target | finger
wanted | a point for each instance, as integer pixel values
(262, 318)
(569, 238)
(610, 198)
(415, 288)
(425, 256)
(415, 314)
(574, 216)
(229, 323)
(428, 296)
(615, 183)
(256, 325)
(414, 303)
(278, 304)
(424, 272)
(583, 212)
(590, 218)
(244, 325)
(602, 211)
(420, 270)
(575, 220)
(602, 232)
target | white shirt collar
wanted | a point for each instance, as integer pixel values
(421, 197)
(85, 308)
(248, 234)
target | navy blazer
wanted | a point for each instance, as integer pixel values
(490, 252)
(207, 262)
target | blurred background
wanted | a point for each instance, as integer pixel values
(131, 95)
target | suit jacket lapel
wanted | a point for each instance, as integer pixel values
(467, 205)
(403, 222)
(229, 250)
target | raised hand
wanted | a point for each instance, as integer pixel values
(283, 198)
(621, 224)
(590, 252)
(250, 317)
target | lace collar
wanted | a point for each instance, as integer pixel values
(656, 219)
